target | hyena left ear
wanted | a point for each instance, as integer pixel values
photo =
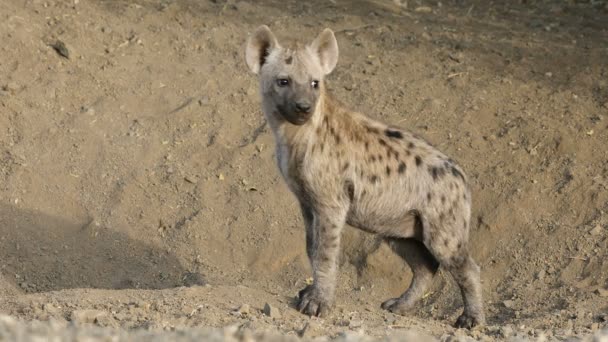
(326, 47)
(259, 45)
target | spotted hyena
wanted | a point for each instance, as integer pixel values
(344, 167)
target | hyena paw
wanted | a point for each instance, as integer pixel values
(469, 321)
(312, 303)
(399, 306)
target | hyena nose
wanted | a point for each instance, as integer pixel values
(303, 107)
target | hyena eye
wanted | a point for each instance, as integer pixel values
(315, 84)
(282, 82)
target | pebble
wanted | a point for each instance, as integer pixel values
(355, 323)
(87, 316)
(506, 331)
(602, 292)
(61, 49)
(509, 304)
(541, 275)
(423, 9)
(597, 230)
(11, 86)
(271, 311)
(310, 329)
(245, 309)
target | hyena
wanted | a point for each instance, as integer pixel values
(345, 168)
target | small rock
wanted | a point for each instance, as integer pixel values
(190, 179)
(50, 309)
(602, 292)
(549, 74)
(541, 275)
(310, 329)
(271, 311)
(426, 36)
(509, 304)
(355, 323)
(245, 309)
(203, 101)
(11, 87)
(88, 316)
(423, 9)
(61, 48)
(506, 331)
(597, 230)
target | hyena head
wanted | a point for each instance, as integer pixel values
(291, 80)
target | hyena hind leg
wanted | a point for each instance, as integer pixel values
(466, 273)
(423, 265)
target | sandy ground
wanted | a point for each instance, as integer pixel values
(138, 188)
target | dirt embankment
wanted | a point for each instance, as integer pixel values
(137, 179)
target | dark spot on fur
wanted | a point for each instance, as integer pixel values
(372, 158)
(446, 242)
(408, 152)
(457, 173)
(322, 146)
(382, 142)
(433, 172)
(380, 158)
(459, 245)
(388, 170)
(429, 196)
(442, 199)
(411, 145)
(288, 60)
(337, 137)
(436, 172)
(402, 167)
(441, 217)
(367, 146)
(373, 179)
(393, 134)
(349, 188)
(418, 161)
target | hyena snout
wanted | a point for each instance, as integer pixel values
(297, 112)
(303, 107)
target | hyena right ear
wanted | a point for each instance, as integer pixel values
(259, 45)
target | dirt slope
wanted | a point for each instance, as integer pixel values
(137, 177)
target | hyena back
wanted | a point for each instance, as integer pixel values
(344, 167)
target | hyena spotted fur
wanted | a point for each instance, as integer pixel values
(345, 168)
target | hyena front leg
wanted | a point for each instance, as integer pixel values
(309, 217)
(322, 245)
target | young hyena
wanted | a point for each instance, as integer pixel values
(347, 168)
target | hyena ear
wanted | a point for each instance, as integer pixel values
(259, 45)
(326, 47)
